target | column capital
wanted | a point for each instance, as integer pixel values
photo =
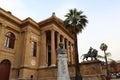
(52, 29)
(42, 32)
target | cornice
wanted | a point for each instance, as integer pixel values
(29, 21)
(8, 16)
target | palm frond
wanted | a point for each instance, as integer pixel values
(101, 57)
(75, 20)
(108, 54)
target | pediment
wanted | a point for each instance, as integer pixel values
(51, 20)
(29, 21)
(54, 20)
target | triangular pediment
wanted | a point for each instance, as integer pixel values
(52, 19)
(29, 21)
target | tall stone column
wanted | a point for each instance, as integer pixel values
(26, 47)
(53, 57)
(72, 54)
(67, 48)
(43, 54)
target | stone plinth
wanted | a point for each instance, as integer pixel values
(62, 72)
(91, 70)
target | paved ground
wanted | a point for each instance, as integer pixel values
(115, 79)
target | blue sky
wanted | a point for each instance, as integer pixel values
(103, 17)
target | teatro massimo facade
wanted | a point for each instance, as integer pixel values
(28, 48)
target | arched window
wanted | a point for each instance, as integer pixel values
(9, 40)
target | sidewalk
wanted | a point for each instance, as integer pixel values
(115, 79)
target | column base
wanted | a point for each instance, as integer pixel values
(43, 66)
(53, 65)
(62, 78)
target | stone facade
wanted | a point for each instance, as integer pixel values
(92, 70)
(30, 49)
(34, 46)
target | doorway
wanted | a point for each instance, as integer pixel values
(5, 69)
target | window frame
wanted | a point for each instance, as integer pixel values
(9, 40)
(33, 48)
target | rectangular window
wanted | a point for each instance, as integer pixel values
(34, 48)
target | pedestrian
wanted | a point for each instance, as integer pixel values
(31, 77)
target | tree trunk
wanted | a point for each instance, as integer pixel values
(108, 76)
(77, 69)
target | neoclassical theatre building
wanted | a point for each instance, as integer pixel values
(28, 48)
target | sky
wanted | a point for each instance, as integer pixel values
(103, 17)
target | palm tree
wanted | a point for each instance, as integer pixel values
(104, 47)
(75, 23)
(108, 54)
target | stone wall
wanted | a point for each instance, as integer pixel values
(47, 73)
(91, 70)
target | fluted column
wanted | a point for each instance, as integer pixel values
(72, 54)
(67, 48)
(43, 55)
(53, 57)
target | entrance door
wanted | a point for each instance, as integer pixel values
(5, 70)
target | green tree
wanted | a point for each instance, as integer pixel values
(104, 47)
(108, 54)
(113, 64)
(75, 23)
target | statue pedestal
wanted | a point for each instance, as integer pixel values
(62, 72)
(91, 70)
